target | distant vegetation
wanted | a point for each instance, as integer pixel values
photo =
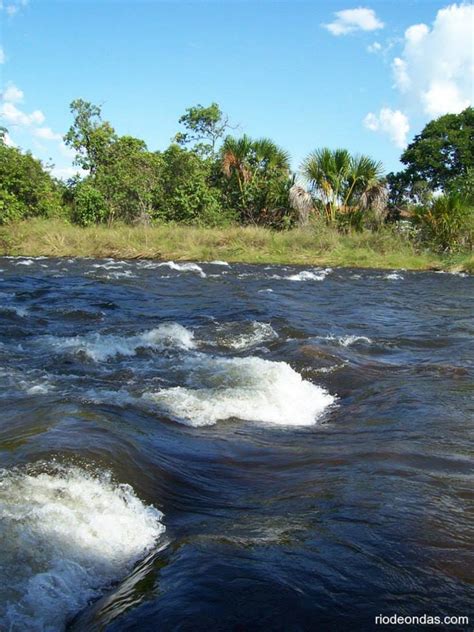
(211, 177)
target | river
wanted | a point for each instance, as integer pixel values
(236, 447)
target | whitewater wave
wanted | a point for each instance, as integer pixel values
(253, 333)
(101, 347)
(67, 536)
(22, 312)
(25, 262)
(309, 275)
(245, 388)
(111, 264)
(347, 341)
(394, 276)
(183, 267)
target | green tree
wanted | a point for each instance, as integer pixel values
(129, 180)
(89, 136)
(447, 223)
(257, 179)
(205, 127)
(89, 206)
(26, 187)
(342, 183)
(443, 153)
(187, 193)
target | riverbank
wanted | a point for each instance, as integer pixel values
(319, 245)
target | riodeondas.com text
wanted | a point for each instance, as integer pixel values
(423, 619)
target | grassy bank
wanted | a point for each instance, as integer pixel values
(315, 245)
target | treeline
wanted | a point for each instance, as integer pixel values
(209, 176)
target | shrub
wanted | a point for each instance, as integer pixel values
(447, 223)
(89, 206)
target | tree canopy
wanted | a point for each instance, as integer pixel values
(209, 177)
(443, 152)
(205, 127)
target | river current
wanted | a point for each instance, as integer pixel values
(209, 446)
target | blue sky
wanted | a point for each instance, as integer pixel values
(366, 76)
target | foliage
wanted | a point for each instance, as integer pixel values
(204, 179)
(26, 188)
(447, 224)
(89, 136)
(205, 127)
(444, 151)
(404, 194)
(344, 186)
(129, 180)
(257, 180)
(89, 205)
(186, 193)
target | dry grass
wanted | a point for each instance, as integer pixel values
(315, 245)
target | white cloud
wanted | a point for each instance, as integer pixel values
(46, 133)
(350, 20)
(436, 66)
(12, 94)
(374, 48)
(2, 56)
(13, 116)
(13, 7)
(66, 151)
(30, 126)
(64, 173)
(393, 123)
(7, 139)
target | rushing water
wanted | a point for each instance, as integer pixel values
(232, 447)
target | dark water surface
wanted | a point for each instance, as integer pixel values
(237, 447)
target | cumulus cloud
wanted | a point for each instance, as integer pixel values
(30, 124)
(46, 133)
(350, 20)
(436, 66)
(13, 116)
(392, 123)
(376, 47)
(12, 94)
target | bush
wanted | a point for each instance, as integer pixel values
(10, 208)
(89, 206)
(26, 188)
(447, 224)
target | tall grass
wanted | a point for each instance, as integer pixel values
(317, 244)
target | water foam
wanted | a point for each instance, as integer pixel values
(347, 341)
(310, 275)
(394, 276)
(255, 333)
(22, 312)
(101, 347)
(183, 267)
(67, 536)
(246, 388)
(25, 262)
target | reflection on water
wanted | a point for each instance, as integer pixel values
(302, 434)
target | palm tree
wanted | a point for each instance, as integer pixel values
(340, 180)
(268, 155)
(261, 170)
(235, 154)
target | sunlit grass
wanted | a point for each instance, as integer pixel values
(314, 245)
